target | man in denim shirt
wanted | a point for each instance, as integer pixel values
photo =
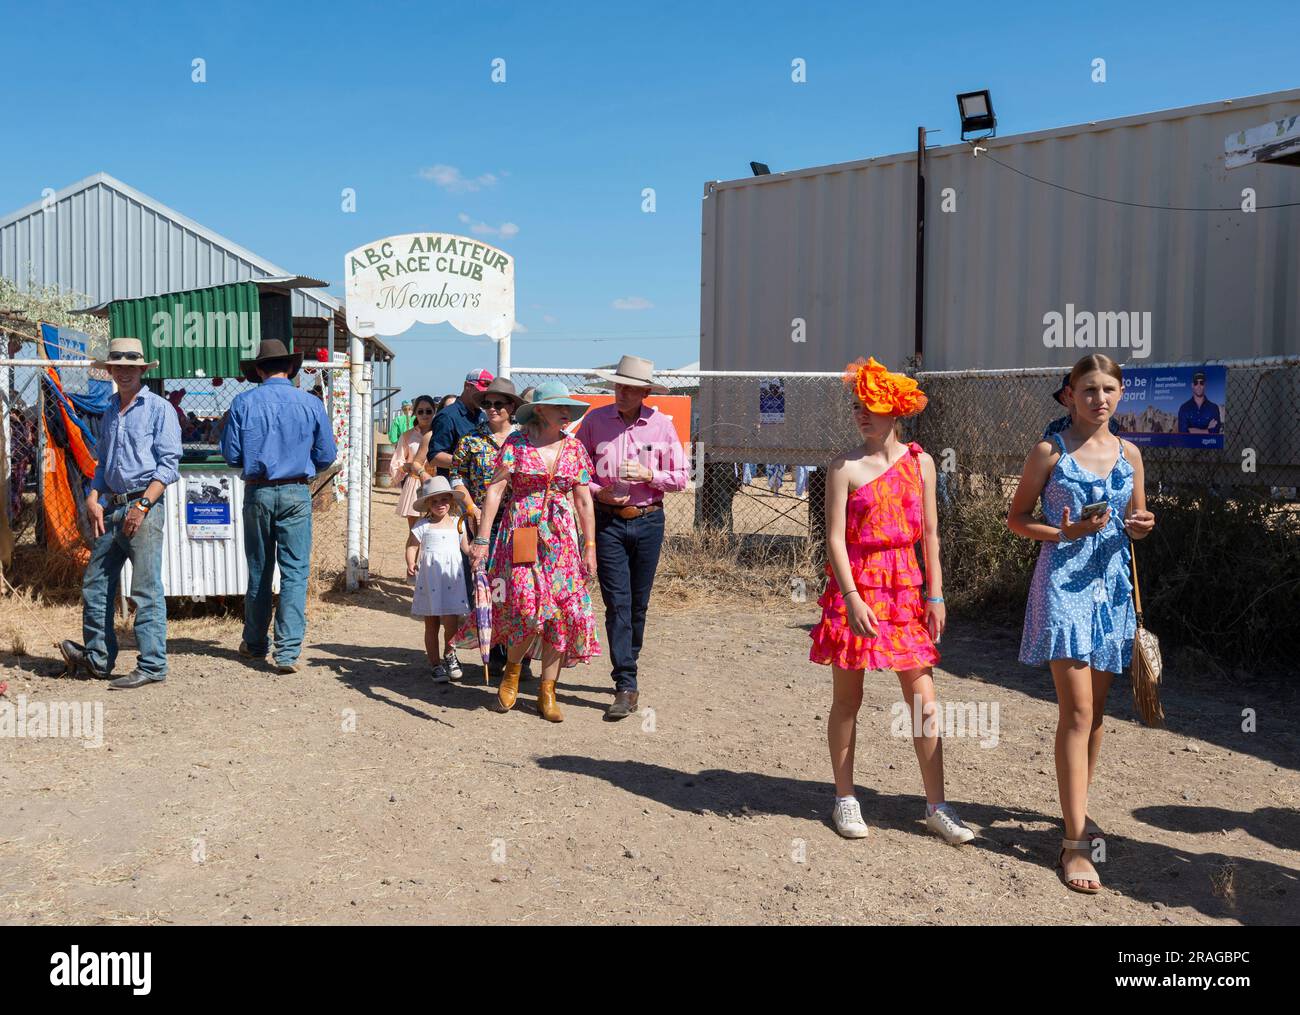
(139, 458)
(280, 436)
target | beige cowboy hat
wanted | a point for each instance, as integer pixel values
(634, 371)
(429, 489)
(504, 386)
(125, 352)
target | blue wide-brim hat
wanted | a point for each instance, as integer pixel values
(550, 393)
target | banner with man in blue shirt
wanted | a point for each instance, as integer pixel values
(280, 437)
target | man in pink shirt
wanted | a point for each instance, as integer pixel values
(638, 459)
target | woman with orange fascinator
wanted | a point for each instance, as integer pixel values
(875, 614)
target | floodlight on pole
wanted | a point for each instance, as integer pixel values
(976, 109)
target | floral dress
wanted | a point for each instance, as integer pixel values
(883, 522)
(548, 598)
(1081, 598)
(473, 463)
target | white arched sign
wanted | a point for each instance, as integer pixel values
(432, 278)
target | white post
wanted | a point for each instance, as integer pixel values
(503, 357)
(356, 481)
(368, 472)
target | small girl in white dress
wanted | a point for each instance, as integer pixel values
(434, 559)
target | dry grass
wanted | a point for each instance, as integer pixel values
(710, 566)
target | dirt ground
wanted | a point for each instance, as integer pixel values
(358, 792)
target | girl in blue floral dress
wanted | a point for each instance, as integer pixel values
(1080, 619)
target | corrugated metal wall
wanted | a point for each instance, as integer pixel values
(835, 247)
(111, 243)
(175, 359)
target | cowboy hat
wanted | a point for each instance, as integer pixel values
(504, 386)
(125, 352)
(429, 489)
(549, 393)
(270, 348)
(635, 372)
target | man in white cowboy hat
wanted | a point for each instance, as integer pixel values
(139, 457)
(280, 436)
(638, 459)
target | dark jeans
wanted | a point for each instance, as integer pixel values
(277, 530)
(99, 589)
(627, 554)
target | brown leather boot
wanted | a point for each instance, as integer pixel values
(546, 705)
(508, 691)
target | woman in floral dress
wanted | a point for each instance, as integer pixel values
(548, 598)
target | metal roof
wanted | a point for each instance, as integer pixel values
(105, 239)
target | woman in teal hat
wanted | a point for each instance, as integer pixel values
(545, 597)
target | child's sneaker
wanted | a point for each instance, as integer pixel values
(848, 819)
(440, 674)
(945, 824)
(452, 664)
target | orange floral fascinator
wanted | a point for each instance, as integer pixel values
(884, 392)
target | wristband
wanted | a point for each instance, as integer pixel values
(481, 541)
(934, 599)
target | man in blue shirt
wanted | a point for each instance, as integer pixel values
(140, 452)
(280, 437)
(460, 418)
(1198, 414)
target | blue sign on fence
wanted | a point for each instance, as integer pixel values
(1174, 407)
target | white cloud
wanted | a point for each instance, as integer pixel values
(550, 318)
(632, 303)
(505, 230)
(519, 329)
(449, 178)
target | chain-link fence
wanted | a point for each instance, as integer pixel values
(759, 443)
(52, 423)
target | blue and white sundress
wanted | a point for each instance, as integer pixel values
(1081, 599)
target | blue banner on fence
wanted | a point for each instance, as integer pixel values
(1173, 407)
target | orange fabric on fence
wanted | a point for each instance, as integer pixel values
(60, 507)
(76, 440)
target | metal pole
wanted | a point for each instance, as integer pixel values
(920, 246)
(356, 437)
(503, 357)
(368, 473)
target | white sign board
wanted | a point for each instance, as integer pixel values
(433, 278)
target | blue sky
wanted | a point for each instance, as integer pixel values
(600, 101)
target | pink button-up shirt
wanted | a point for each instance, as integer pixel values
(650, 440)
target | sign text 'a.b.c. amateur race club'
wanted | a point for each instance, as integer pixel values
(431, 278)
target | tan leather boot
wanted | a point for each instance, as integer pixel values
(546, 705)
(508, 690)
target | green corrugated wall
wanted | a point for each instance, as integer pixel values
(206, 347)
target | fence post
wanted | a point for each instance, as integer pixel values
(369, 468)
(356, 352)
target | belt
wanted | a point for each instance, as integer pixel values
(118, 499)
(629, 511)
(276, 482)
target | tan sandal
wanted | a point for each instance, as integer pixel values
(1069, 879)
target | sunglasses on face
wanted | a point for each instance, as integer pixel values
(137, 356)
(496, 405)
(424, 412)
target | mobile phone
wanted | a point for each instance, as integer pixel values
(1093, 509)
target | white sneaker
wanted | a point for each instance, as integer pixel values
(848, 819)
(440, 674)
(452, 664)
(945, 824)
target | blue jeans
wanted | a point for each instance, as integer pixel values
(102, 580)
(627, 554)
(277, 530)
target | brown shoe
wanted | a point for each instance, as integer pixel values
(546, 705)
(623, 705)
(508, 690)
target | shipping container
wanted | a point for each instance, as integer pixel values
(810, 269)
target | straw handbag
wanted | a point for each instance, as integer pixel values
(1147, 666)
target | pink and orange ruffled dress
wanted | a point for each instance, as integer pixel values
(883, 521)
